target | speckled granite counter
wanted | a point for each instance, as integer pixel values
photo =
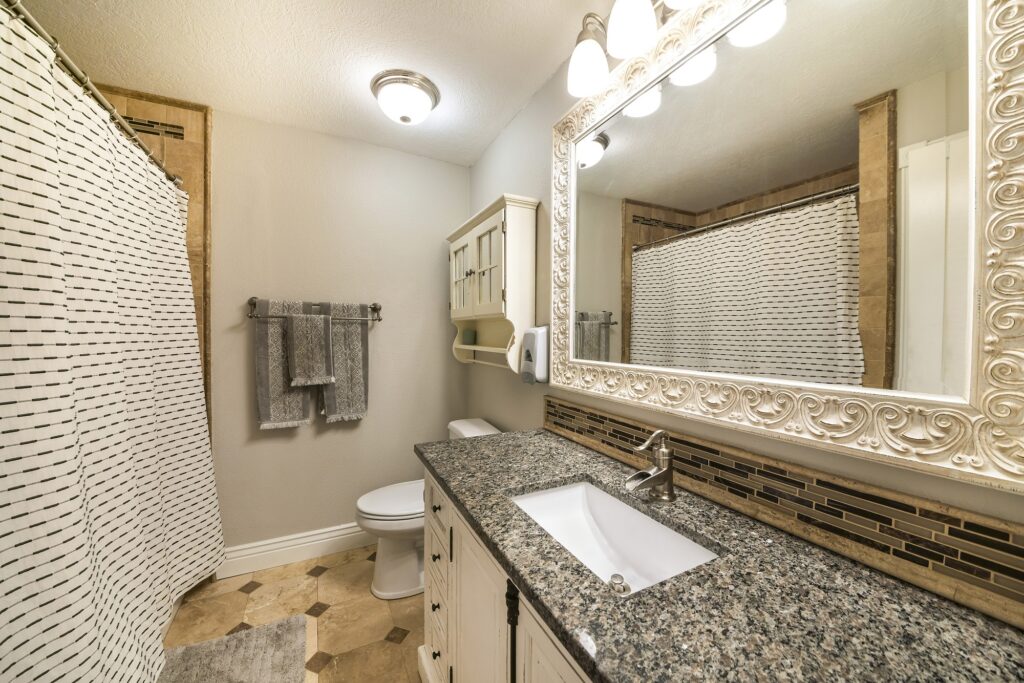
(771, 607)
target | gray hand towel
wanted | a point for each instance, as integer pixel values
(278, 403)
(309, 350)
(593, 332)
(347, 398)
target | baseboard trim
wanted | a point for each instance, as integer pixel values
(273, 552)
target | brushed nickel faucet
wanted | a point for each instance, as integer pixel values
(657, 479)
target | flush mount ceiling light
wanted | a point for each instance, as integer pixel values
(406, 97)
(759, 26)
(588, 66)
(590, 151)
(645, 105)
(632, 28)
(696, 69)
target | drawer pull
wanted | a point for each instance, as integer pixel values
(435, 508)
(435, 654)
(435, 557)
(434, 606)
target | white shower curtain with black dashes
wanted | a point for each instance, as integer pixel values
(108, 509)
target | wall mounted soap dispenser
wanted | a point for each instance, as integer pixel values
(533, 365)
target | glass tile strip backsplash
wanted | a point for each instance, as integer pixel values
(930, 542)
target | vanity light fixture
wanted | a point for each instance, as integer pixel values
(759, 26)
(590, 151)
(645, 105)
(406, 97)
(588, 66)
(632, 28)
(696, 69)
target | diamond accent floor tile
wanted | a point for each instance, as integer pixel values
(250, 587)
(396, 635)
(317, 609)
(317, 570)
(318, 661)
(238, 629)
(373, 556)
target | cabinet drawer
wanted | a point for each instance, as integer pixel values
(436, 559)
(435, 605)
(437, 508)
(437, 651)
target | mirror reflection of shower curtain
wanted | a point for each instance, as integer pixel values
(593, 335)
(774, 296)
(109, 507)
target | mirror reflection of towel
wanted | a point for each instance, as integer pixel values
(593, 331)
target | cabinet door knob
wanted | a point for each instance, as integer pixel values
(434, 606)
(435, 654)
(470, 272)
(435, 557)
(435, 508)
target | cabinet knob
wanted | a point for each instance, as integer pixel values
(435, 508)
(470, 272)
(435, 654)
(435, 557)
(434, 606)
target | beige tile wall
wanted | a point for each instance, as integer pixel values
(187, 158)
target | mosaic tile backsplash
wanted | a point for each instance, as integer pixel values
(929, 544)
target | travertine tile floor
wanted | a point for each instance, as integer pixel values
(350, 634)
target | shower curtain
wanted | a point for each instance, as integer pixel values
(774, 296)
(108, 509)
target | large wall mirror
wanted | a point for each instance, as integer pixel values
(777, 219)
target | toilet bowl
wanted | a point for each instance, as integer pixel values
(394, 514)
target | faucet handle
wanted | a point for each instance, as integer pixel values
(660, 433)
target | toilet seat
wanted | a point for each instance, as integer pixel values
(397, 502)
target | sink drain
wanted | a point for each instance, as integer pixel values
(618, 584)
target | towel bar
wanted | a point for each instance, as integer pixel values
(374, 317)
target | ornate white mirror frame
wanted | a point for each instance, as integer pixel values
(979, 438)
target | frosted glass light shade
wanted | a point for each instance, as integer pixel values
(645, 105)
(681, 4)
(696, 69)
(759, 26)
(405, 97)
(589, 152)
(588, 69)
(632, 28)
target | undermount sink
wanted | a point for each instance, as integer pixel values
(610, 537)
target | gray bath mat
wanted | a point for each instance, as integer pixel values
(275, 653)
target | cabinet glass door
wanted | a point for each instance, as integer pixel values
(461, 279)
(489, 250)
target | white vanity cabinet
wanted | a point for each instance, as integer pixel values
(469, 609)
(491, 264)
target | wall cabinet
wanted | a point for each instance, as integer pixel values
(491, 262)
(469, 604)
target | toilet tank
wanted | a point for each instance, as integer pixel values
(461, 429)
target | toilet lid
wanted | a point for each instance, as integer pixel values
(398, 501)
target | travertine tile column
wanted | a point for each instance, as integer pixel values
(877, 213)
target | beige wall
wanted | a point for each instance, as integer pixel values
(598, 262)
(300, 215)
(519, 161)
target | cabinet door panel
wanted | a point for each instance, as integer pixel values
(489, 253)
(480, 626)
(462, 274)
(538, 658)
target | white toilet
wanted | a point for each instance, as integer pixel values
(394, 514)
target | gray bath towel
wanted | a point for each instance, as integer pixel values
(309, 350)
(278, 403)
(347, 398)
(593, 332)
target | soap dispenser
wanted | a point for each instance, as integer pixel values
(533, 360)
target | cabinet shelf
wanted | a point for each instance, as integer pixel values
(491, 282)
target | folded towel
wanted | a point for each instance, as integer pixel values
(347, 398)
(278, 404)
(593, 333)
(309, 350)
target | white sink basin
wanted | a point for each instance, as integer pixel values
(610, 537)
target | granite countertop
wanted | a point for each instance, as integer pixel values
(771, 607)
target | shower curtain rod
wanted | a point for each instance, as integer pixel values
(19, 11)
(827, 194)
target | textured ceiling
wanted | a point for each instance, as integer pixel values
(308, 63)
(783, 111)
